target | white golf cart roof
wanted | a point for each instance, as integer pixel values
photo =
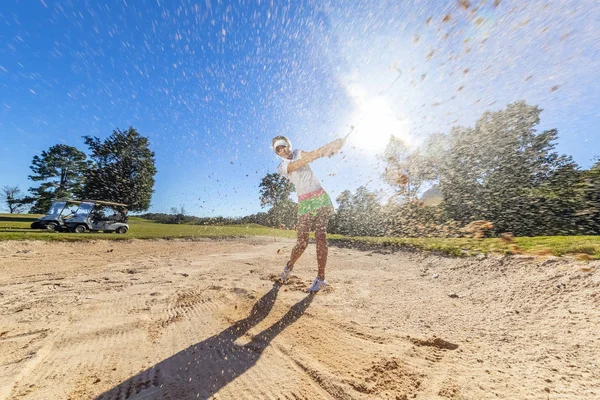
(67, 201)
(104, 203)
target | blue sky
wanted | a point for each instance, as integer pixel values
(211, 82)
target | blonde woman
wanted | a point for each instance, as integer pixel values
(314, 204)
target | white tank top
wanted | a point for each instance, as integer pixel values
(303, 178)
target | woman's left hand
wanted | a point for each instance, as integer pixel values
(335, 146)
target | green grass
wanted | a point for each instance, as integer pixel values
(16, 227)
(541, 245)
(16, 221)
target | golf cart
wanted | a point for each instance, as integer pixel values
(96, 215)
(54, 220)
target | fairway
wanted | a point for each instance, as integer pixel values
(16, 227)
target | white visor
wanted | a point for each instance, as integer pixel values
(281, 142)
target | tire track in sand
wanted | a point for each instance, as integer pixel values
(20, 384)
(186, 305)
(230, 363)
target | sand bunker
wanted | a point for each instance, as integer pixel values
(209, 320)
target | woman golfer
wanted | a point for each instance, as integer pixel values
(314, 205)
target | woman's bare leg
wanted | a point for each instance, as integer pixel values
(302, 230)
(321, 221)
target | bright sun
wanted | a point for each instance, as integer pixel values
(374, 124)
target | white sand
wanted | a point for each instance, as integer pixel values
(204, 319)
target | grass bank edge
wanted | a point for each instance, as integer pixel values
(148, 230)
(584, 247)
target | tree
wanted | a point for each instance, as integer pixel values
(274, 189)
(284, 213)
(412, 219)
(504, 171)
(358, 214)
(590, 213)
(11, 197)
(558, 198)
(177, 215)
(123, 169)
(406, 170)
(61, 170)
(342, 219)
(260, 218)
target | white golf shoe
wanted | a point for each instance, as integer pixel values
(317, 285)
(285, 274)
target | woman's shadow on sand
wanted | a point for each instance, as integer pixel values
(204, 368)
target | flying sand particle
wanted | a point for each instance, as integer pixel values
(464, 4)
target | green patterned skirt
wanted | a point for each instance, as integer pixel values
(311, 202)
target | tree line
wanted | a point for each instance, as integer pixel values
(119, 169)
(502, 174)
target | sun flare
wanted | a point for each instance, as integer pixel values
(375, 124)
